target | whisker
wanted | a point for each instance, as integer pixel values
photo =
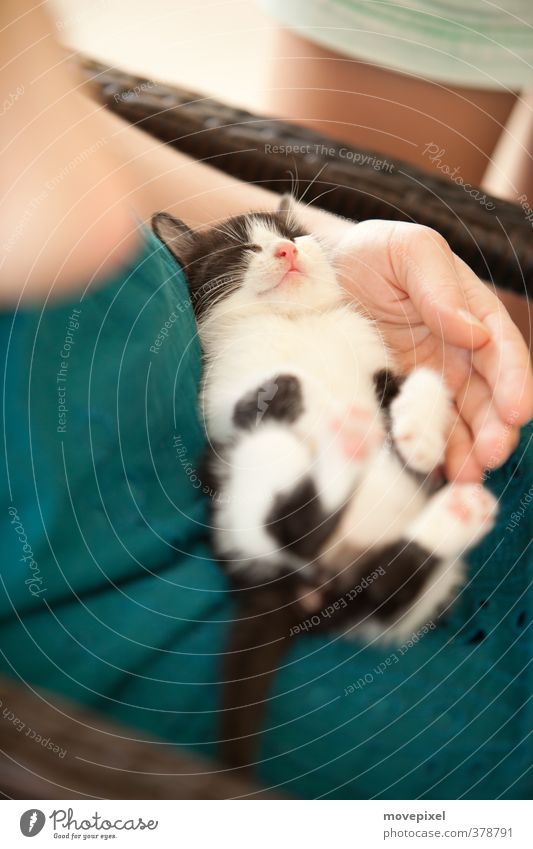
(321, 195)
(313, 181)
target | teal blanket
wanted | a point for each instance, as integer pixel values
(109, 593)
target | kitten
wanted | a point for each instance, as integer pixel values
(321, 453)
(319, 447)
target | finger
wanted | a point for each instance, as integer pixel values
(504, 361)
(493, 438)
(425, 267)
(461, 463)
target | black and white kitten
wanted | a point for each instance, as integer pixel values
(320, 456)
(320, 452)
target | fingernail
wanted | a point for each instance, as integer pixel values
(472, 320)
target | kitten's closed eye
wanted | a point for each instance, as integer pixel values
(256, 248)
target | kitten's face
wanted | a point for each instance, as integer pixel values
(285, 269)
(258, 261)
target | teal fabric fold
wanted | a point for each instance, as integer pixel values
(109, 593)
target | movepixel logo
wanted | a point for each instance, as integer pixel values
(32, 822)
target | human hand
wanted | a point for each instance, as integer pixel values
(433, 310)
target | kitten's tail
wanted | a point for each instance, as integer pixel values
(259, 641)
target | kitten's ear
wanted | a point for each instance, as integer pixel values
(174, 234)
(287, 209)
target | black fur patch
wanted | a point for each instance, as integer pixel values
(299, 522)
(387, 386)
(407, 568)
(279, 398)
(214, 260)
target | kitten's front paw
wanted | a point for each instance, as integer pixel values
(420, 418)
(455, 519)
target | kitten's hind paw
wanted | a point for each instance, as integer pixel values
(455, 519)
(357, 433)
(344, 450)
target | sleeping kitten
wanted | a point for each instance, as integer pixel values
(322, 456)
(320, 451)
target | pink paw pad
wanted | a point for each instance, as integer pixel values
(471, 504)
(358, 432)
(459, 508)
(486, 504)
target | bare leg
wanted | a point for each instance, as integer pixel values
(62, 213)
(75, 179)
(382, 110)
(510, 172)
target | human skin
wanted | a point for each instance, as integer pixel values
(380, 109)
(406, 117)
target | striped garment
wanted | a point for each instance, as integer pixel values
(474, 43)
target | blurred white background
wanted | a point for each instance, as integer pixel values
(214, 46)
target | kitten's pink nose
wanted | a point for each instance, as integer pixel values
(286, 250)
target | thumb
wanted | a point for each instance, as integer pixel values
(427, 270)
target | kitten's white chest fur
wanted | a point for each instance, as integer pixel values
(334, 353)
